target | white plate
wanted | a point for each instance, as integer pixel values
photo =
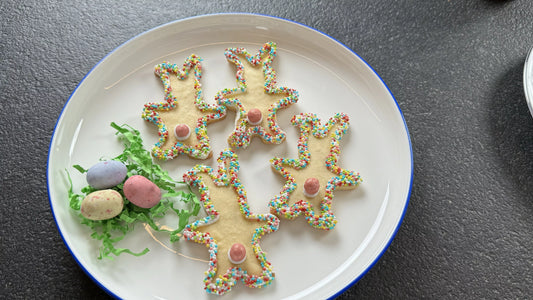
(330, 78)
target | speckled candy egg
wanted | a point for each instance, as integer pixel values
(102, 205)
(140, 191)
(106, 174)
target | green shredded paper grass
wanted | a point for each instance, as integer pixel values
(138, 162)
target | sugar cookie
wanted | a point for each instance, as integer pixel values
(312, 178)
(184, 112)
(230, 230)
(256, 100)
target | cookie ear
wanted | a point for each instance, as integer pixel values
(266, 54)
(228, 164)
(342, 121)
(310, 122)
(305, 123)
(193, 62)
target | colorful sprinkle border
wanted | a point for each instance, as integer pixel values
(309, 124)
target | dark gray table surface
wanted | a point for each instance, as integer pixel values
(455, 68)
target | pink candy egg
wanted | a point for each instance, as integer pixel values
(140, 191)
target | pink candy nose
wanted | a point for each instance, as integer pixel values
(182, 131)
(254, 116)
(237, 253)
(311, 187)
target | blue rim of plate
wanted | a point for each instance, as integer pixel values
(355, 280)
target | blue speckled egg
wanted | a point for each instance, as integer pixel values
(106, 174)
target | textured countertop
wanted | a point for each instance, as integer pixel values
(455, 68)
